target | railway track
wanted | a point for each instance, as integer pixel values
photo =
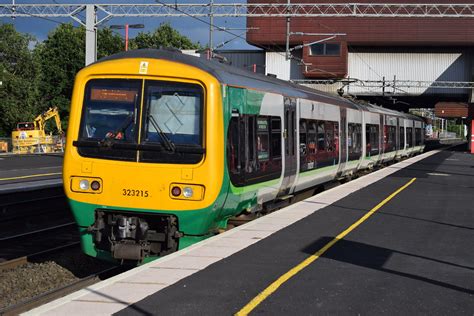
(13, 263)
(60, 291)
(35, 232)
(40, 240)
(21, 206)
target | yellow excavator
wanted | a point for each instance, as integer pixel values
(30, 137)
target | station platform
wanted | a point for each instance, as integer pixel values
(30, 172)
(396, 241)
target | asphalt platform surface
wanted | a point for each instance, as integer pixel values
(415, 255)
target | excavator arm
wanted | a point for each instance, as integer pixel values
(40, 120)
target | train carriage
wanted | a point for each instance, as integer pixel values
(164, 148)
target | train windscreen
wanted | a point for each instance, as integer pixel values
(169, 121)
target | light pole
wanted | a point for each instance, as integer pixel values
(126, 27)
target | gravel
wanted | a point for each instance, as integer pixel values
(46, 274)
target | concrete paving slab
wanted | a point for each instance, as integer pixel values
(87, 308)
(123, 292)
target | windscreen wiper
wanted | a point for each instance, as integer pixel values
(168, 144)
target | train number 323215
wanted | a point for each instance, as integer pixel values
(138, 193)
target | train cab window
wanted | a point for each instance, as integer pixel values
(409, 137)
(173, 109)
(372, 139)
(402, 137)
(110, 116)
(172, 120)
(354, 141)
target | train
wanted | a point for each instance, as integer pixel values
(164, 148)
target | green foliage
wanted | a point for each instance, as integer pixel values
(17, 102)
(60, 57)
(108, 43)
(163, 37)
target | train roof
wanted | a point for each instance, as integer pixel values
(234, 76)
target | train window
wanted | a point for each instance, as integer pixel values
(263, 149)
(418, 136)
(303, 147)
(258, 139)
(276, 137)
(402, 137)
(390, 138)
(332, 136)
(409, 137)
(110, 113)
(250, 161)
(312, 137)
(354, 141)
(173, 111)
(321, 141)
(233, 149)
(172, 119)
(110, 107)
(372, 139)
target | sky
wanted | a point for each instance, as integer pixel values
(197, 31)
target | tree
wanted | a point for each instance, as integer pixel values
(163, 36)
(108, 43)
(17, 91)
(60, 57)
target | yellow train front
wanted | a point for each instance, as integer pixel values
(144, 161)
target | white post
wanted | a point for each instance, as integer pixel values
(91, 34)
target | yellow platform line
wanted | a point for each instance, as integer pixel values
(295, 270)
(32, 176)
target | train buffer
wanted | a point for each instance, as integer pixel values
(396, 241)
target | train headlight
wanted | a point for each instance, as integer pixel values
(95, 185)
(84, 185)
(188, 192)
(185, 191)
(176, 191)
(81, 184)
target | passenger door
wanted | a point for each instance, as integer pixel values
(342, 141)
(290, 150)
